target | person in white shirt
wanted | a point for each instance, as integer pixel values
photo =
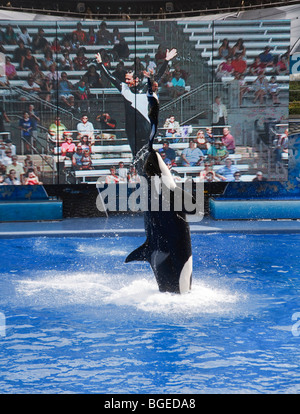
(24, 36)
(219, 114)
(85, 127)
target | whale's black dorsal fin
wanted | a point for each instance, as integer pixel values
(141, 254)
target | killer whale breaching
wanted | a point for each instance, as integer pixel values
(168, 244)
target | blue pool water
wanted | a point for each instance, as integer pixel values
(79, 320)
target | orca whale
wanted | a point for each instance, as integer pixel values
(168, 244)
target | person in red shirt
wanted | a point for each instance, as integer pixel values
(228, 140)
(81, 35)
(239, 64)
(68, 147)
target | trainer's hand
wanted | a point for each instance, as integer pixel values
(170, 54)
(98, 58)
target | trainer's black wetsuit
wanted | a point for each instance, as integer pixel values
(137, 122)
(153, 112)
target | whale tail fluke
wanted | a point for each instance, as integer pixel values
(140, 254)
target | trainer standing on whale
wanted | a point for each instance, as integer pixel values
(137, 122)
(168, 245)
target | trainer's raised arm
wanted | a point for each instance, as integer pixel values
(170, 54)
(98, 58)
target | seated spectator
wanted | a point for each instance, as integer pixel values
(81, 35)
(55, 46)
(104, 37)
(53, 75)
(106, 123)
(282, 67)
(37, 75)
(122, 172)
(66, 62)
(257, 67)
(65, 91)
(138, 67)
(68, 147)
(11, 178)
(85, 143)
(192, 155)
(165, 159)
(24, 36)
(10, 37)
(160, 55)
(239, 64)
(19, 52)
(30, 87)
(75, 45)
(225, 68)
(266, 57)
(93, 78)
(207, 171)
(274, 90)
(260, 86)
(239, 48)
(133, 176)
(228, 140)
(209, 135)
(32, 179)
(47, 90)
(225, 50)
(10, 69)
(28, 61)
(85, 127)
(28, 164)
(239, 87)
(56, 130)
(202, 142)
(170, 153)
(112, 178)
(237, 177)
(8, 145)
(121, 50)
(259, 177)
(178, 87)
(17, 167)
(172, 128)
(86, 160)
(217, 152)
(226, 172)
(80, 62)
(6, 158)
(77, 157)
(39, 42)
(47, 60)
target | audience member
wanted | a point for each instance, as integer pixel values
(202, 142)
(24, 36)
(55, 46)
(56, 130)
(86, 160)
(106, 123)
(266, 57)
(225, 51)
(68, 147)
(32, 179)
(121, 50)
(65, 91)
(120, 72)
(93, 78)
(10, 37)
(122, 172)
(26, 125)
(104, 37)
(11, 178)
(282, 66)
(192, 155)
(260, 86)
(47, 60)
(66, 62)
(19, 52)
(207, 171)
(81, 35)
(228, 140)
(85, 127)
(219, 114)
(282, 146)
(178, 87)
(10, 69)
(82, 92)
(91, 38)
(226, 172)
(217, 152)
(225, 68)
(112, 178)
(239, 64)
(80, 62)
(17, 167)
(77, 157)
(53, 75)
(39, 42)
(239, 49)
(170, 153)
(172, 128)
(133, 176)
(28, 60)
(274, 90)
(259, 177)
(257, 67)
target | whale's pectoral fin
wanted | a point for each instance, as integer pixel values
(141, 254)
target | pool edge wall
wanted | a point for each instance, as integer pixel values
(31, 211)
(254, 209)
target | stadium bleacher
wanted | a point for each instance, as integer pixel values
(206, 38)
